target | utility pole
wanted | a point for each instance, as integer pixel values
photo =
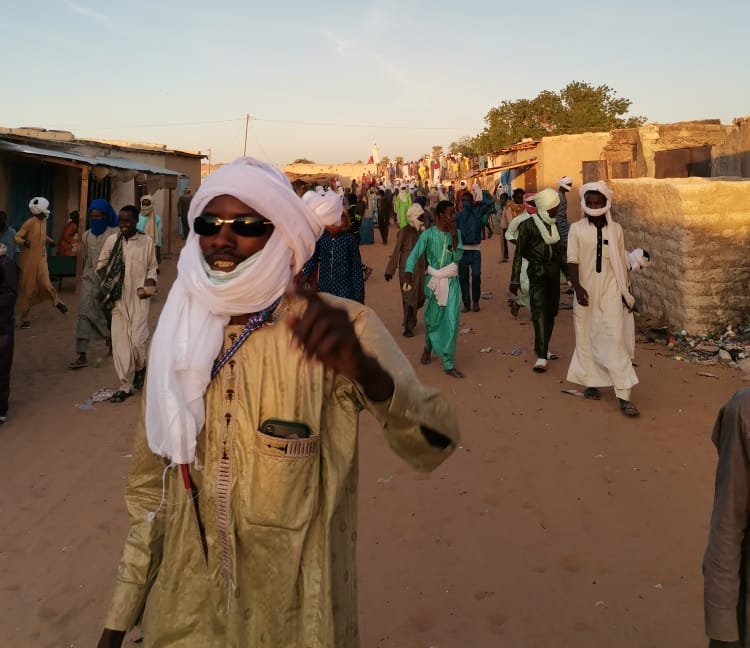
(209, 159)
(247, 123)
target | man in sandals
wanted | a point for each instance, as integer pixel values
(127, 267)
(599, 273)
(242, 489)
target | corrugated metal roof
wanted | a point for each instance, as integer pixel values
(114, 162)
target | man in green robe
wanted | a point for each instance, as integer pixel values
(443, 248)
(401, 203)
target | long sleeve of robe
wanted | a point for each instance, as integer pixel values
(278, 518)
(725, 564)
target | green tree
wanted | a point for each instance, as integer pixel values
(464, 145)
(579, 107)
(303, 161)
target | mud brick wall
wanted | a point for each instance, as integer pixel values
(697, 231)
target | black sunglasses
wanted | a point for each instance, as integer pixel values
(249, 226)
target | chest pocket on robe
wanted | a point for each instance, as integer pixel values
(284, 484)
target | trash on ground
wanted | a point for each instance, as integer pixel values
(485, 350)
(573, 392)
(385, 480)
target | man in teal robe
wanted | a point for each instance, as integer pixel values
(443, 248)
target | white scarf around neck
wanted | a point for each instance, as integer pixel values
(190, 332)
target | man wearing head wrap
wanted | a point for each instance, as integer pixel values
(442, 248)
(513, 208)
(538, 240)
(93, 322)
(242, 490)
(521, 299)
(8, 294)
(599, 274)
(32, 241)
(412, 293)
(401, 203)
(337, 261)
(149, 223)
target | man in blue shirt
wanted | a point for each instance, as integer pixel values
(471, 221)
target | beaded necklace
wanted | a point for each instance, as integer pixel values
(255, 321)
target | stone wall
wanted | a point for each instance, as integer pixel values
(697, 231)
(732, 158)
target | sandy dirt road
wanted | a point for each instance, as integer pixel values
(558, 522)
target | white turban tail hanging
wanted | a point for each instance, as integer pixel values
(189, 334)
(544, 201)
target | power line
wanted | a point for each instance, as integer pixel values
(342, 125)
(196, 123)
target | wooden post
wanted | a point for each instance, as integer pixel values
(82, 210)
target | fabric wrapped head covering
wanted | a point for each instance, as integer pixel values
(545, 200)
(462, 184)
(599, 187)
(413, 214)
(190, 331)
(98, 227)
(528, 198)
(565, 182)
(39, 206)
(147, 210)
(3, 249)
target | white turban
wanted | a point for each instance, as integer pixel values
(39, 205)
(599, 187)
(566, 182)
(189, 334)
(413, 214)
(546, 199)
(462, 184)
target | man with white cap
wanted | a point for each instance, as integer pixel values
(32, 241)
(537, 242)
(603, 306)
(242, 490)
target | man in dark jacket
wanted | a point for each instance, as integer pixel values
(471, 220)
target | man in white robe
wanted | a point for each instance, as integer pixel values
(130, 311)
(598, 271)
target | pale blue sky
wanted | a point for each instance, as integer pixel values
(408, 74)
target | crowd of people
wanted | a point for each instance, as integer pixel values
(268, 280)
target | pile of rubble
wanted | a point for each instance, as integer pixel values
(731, 348)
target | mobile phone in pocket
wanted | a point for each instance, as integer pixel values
(285, 429)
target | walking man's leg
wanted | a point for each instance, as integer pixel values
(463, 281)
(476, 279)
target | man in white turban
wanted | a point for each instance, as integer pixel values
(603, 306)
(537, 242)
(32, 241)
(242, 490)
